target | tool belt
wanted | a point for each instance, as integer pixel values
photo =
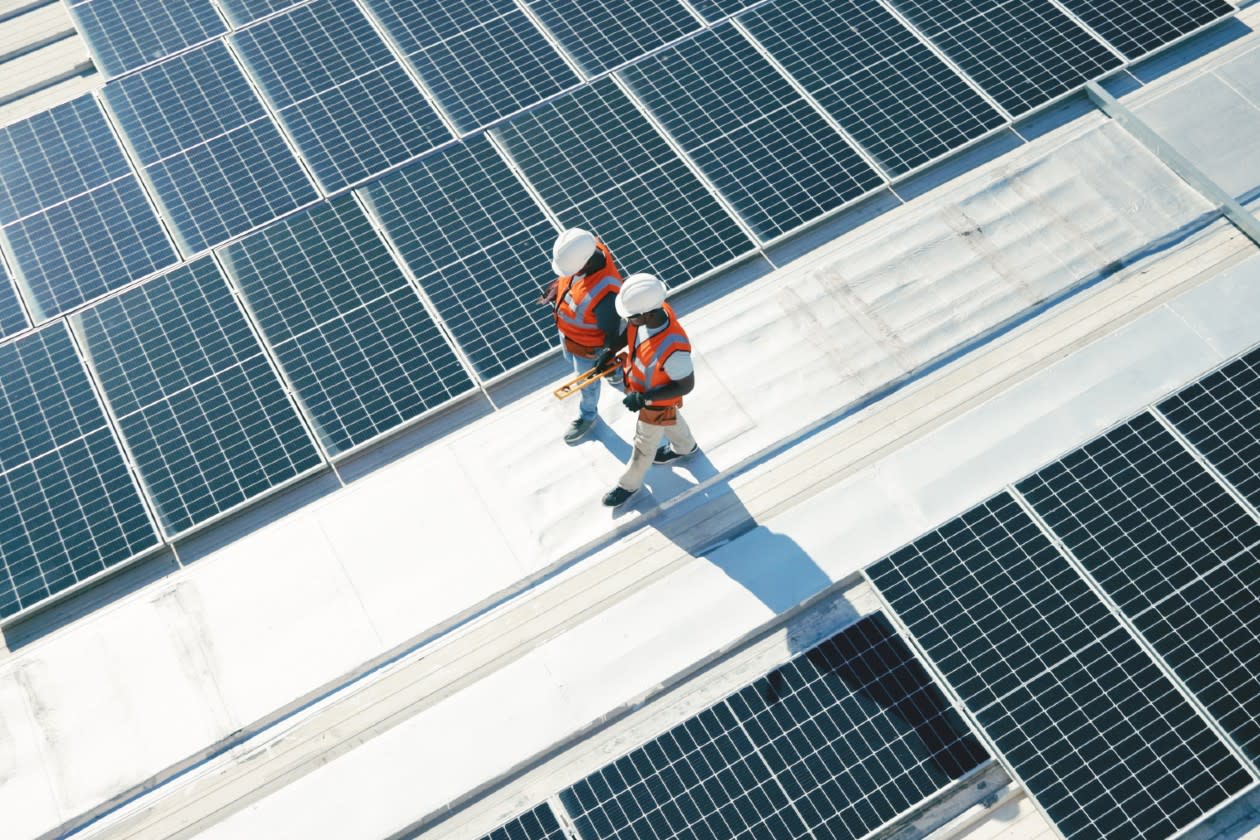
(579, 350)
(659, 415)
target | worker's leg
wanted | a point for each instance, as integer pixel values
(679, 436)
(646, 438)
(588, 397)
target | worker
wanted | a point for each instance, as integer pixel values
(582, 298)
(658, 373)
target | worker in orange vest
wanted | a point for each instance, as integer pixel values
(658, 373)
(582, 298)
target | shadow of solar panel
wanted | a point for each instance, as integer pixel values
(75, 221)
(854, 732)
(348, 329)
(888, 90)
(69, 507)
(1023, 53)
(1098, 734)
(1136, 27)
(482, 59)
(538, 824)
(217, 162)
(349, 105)
(479, 246)
(1220, 416)
(769, 153)
(12, 316)
(241, 12)
(199, 405)
(599, 164)
(601, 34)
(1175, 551)
(125, 34)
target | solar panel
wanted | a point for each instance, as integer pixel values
(772, 156)
(69, 508)
(12, 317)
(241, 12)
(538, 824)
(888, 90)
(1220, 416)
(345, 325)
(74, 219)
(199, 405)
(603, 34)
(834, 744)
(482, 59)
(1151, 525)
(1097, 733)
(1138, 26)
(217, 162)
(599, 164)
(349, 105)
(480, 247)
(715, 10)
(1023, 53)
(126, 34)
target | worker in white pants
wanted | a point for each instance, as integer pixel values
(658, 373)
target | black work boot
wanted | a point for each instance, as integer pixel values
(617, 496)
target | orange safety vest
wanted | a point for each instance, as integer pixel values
(576, 301)
(644, 367)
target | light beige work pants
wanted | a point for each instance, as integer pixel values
(647, 439)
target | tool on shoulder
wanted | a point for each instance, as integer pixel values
(580, 381)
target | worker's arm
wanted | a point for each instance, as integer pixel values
(676, 388)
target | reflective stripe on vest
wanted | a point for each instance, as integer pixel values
(575, 313)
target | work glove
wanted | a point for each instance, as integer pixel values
(634, 400)
(603, 359)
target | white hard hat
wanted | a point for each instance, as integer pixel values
(572, 249)
(639, 294)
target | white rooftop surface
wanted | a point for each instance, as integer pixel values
(846, 402)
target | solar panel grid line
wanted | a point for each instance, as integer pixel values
(1139, 29)
(946, 59)
(802, 92)
(1136, 635)
(397, 52)
(551, 38)
(1235, 493)
(107, 61)
(273, 118)
(449, 334)
(691, 164)
(1075, 18)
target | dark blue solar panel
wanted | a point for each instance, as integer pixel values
(599, 164)
(241, 12)
(349, 330)
(1220, 416)
(482, 59)
(125, 34)
(1153, 528)
(1023, 53)
(887, 89)
(773, 157)
(12, 316)
(834, 744)
(480, 248)
(69, 508)
(218, 163)
(1138, 26)
(538, 824)
(199, 405)
(349, 105)
(1096, 731)
(715, 10)
(605, 33)
(75, 219)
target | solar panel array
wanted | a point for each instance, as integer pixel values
(1043, 631)
(836, 743)
(686, 134)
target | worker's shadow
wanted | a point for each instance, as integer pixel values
(715, 524)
